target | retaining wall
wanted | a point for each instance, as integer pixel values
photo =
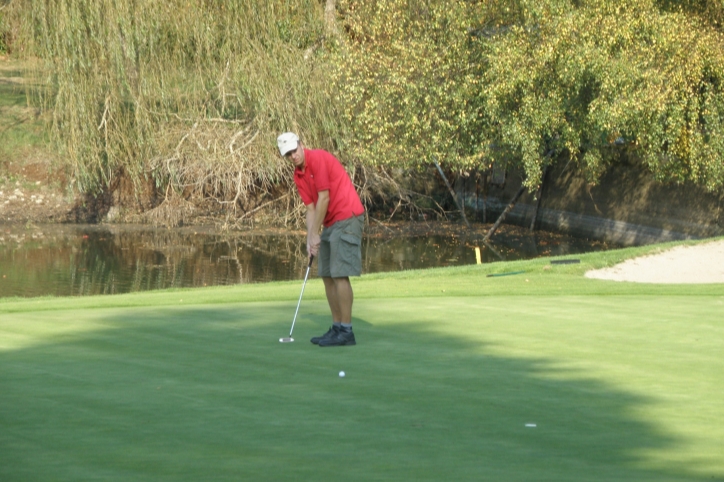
(628, 207)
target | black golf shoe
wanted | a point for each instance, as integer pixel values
(341, 337)
(332, 330)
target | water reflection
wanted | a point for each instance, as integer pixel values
(70, 260)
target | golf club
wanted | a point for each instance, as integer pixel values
(289, 339)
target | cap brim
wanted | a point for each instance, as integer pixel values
(288, 149)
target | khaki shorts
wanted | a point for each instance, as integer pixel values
(340, 252)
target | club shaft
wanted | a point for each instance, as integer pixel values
(300, 295)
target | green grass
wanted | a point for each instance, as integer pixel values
(22, 131)
(624, 381)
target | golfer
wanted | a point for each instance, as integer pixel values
(332, 203)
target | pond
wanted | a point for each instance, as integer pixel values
(79, 260)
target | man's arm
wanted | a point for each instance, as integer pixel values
(315, 219)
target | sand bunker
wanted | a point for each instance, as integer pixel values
(703, 263)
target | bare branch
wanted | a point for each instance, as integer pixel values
(262, 206)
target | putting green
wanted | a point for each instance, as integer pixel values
(622, 382)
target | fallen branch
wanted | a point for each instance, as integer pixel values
(452, 193)
(262, 206)
(504, 213)
(380, 223)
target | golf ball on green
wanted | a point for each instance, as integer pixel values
(341, 374)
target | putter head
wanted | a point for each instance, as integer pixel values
(287, 339)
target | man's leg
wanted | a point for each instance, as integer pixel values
(345, 259)
(323, 260)
(330, 288)
(340, 298)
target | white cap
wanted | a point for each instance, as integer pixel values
(287, 142)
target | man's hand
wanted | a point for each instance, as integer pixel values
(313, 242)
(315, 218)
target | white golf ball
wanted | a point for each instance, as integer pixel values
(341, 374)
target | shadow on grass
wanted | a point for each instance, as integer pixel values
(209, 394)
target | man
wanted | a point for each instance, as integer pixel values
(332, 203)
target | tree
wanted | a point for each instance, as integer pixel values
(404, 79)
(527, 84)
(590, 82)
(188, 94)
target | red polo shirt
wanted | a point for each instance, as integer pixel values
(323, 172)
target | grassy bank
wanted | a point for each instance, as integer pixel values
(32, 183)
(622, 381)
(22, 134)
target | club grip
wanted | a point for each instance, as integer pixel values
(311, 258)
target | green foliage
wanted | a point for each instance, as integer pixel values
(526, 84)
(192, 93)
(591, 81)
(709, 11)
(4, 31)
(404, 80)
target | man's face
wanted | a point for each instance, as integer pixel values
(296, 156)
